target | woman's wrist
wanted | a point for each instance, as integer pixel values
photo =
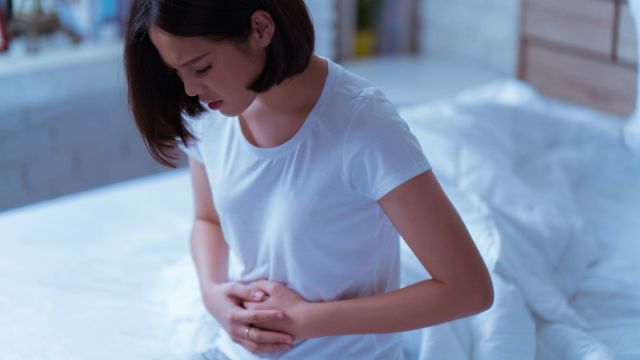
(306, 315)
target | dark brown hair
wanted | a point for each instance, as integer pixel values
(157, 98)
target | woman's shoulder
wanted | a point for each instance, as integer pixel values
(366, 111)
(352, 88)
(353, 97)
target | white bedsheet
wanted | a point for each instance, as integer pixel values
(547, 191)
(552, 200)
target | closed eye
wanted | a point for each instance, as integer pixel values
(204, 71)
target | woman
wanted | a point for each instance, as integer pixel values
(303, 171)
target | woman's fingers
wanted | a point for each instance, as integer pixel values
(246, 293)
(264, 285)
(262, 348)
(255, 316)
(260, 336)
(257, 305)
(262, 341)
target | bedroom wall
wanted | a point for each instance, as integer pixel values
(65, 126)
(483, 32)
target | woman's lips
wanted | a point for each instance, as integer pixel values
(215, 105)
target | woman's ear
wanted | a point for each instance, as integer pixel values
(262, 29)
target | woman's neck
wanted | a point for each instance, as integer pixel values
(296, 93)
(276, 115)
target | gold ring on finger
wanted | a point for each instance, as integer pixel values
(247, 333)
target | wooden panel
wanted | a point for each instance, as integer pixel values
(601, 85)
(583, 24)
(627, 40)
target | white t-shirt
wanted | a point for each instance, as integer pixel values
(305, 213)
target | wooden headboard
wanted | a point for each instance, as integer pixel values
(582, 51)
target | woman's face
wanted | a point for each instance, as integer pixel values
(217, 72)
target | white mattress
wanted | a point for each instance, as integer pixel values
(548, 193)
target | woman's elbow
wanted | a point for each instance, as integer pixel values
(483, 294)
(477, 294)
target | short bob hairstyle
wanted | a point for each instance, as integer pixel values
(157, 98)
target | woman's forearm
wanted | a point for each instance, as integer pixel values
(210, 252)
(423, 304)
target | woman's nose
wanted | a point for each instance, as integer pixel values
(192, 88)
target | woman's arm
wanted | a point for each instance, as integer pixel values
(460, 284)
(208, 247)
(222, 298)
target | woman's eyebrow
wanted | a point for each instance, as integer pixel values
(194, 60)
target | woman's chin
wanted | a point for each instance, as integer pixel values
(227, 112)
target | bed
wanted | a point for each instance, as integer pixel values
(547, 190)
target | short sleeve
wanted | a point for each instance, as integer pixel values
(192, 148)
(380, 152)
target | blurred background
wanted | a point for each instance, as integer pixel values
(64, 121)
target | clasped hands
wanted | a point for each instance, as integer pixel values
(263, 316)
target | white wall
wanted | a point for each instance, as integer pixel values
(484, 32)
(65, 126)
(324, 20)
